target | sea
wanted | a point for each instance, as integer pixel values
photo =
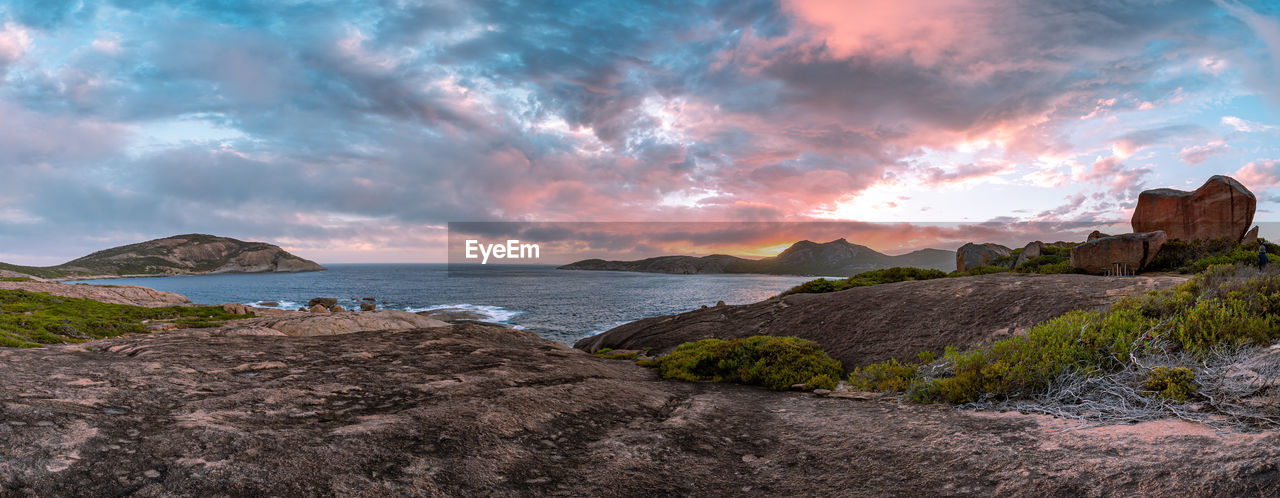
(560, 305)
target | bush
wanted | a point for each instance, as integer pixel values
(1197, 255)
(889, 376)
(773, 362)
(873, 277)
(1224, 307)
(29, 319)
(15, 279)
(1172, 383)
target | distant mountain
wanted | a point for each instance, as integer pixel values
(177, 255)
(836, 258)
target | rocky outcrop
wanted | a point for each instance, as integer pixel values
(485, 411)
(1250, 237)
(875, 323)
(236, 309)
(1095, 235)
(972, 255)
(115, 294)
(327, 302)
(1221, 208)
(1133, 250)
(333, 323)
(1031, 250)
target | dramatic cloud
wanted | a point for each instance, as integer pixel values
(356, 130)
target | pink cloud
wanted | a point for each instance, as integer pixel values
(1260, 174)
(1196, 154)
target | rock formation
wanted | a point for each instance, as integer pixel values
(972, 255)
(1221, 208)
(333, 323)
(1135, 250)
(1095, 235)
(1250, 237)
(868, 324)
(1032, 250)
(117, 294)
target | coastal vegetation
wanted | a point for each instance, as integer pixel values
(873, 277)
(1052, 260)
(1162, 336)
(32, 319)
(1194, 256)
(773, 362)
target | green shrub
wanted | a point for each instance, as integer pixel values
(1212, 323)
(648, 362)
(29, 319)
(822, 381)
(15, 279)
(889, 376)
(1197, 255)
(773, 362)
(621, 355)
(1172, 383)
(873, 277)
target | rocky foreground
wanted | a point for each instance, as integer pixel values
(473, 409)
(869, 324)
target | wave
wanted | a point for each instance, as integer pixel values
(496, 314)
(284, 305)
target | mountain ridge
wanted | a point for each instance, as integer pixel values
(805, 257)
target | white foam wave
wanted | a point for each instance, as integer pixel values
(284, 305)
(496, 314)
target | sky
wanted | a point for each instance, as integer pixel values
(355, 131)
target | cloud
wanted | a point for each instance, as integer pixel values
(14, 43)
(1130, 143)
(1260, 174)
(1245, 126)
(1196, 154)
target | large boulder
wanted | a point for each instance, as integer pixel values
(1032, 250)
(972, 255)
(1095, 235)
(1135, 250)
(1221, 208)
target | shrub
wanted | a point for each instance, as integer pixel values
(873, 277)
(648, 362)
(620, 355)
(15, 279)
(773, 362)
(29, 319)
(890, 376)
(1172, 383)
(1214, 322)
(1196, 255)
(822, 381)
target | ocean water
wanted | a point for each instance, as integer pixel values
(561, 305)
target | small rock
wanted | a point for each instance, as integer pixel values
(822, 392)
(336, 308)
(719, 303)
(327, 302)
(319, 308)
(152, 474)
(368, 306)
(797, 387)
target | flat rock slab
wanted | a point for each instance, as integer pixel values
(870, 324)
(475, 410)
(115, 294)
(313, 324)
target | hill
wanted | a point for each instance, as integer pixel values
(177, 255)
(836, 258)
